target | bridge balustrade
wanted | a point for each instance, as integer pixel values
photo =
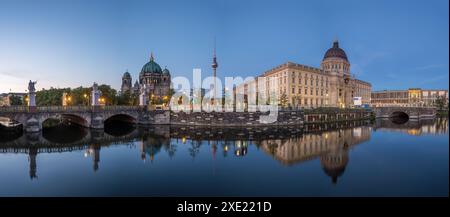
(13, 109)
(403, 105)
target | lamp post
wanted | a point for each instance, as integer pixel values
(86, 99)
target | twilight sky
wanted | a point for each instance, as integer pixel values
(68, 43)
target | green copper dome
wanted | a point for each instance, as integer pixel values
(151, 67)
(166, 71)
(126, 75)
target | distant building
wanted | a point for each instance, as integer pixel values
(331, 85)
(156, 80)
(5, 98)
(126, 83)
(410, 97)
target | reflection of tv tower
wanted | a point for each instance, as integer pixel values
(143, 156)
(214, 150)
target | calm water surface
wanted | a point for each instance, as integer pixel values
(351, 159)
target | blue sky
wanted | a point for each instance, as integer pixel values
(392, 44)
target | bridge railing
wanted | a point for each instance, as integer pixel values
(119, 108)
(13, 109)
(402, 105)
(63, 108)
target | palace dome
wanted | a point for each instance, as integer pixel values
(335, 52)
(151, 67)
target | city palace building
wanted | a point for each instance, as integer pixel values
(152, 79)
(331, 85)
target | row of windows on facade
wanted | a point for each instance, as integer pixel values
(395, 96)
(284, 81)
(154, 81)
(316, 101)
(306, 91)
(399, 100)
(284, 90)
(336, 66)
(299, 75)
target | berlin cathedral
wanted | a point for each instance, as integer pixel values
(154, 80)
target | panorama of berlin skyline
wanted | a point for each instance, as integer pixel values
(71, 44)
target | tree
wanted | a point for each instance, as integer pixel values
(80, 96)
(50, 97)
(109, 94)
(15, 100)
(127, 98)
(440, 103)
(283, 100)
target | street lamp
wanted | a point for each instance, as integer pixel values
(86, 98)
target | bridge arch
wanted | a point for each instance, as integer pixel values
(413, 113)
(122, 118)
(403, 114)
(120, 124)
(68, 118)
(399, 117)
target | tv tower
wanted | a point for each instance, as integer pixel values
(214, 67)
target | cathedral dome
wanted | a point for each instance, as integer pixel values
(151, 67)
(335, 52)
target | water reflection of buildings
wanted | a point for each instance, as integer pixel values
(330, 147)
(151, 145)
(421, 127)
(288, 146)
(240, 148)
(32, 160)
(94, 151)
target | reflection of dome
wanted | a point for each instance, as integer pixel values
(335, 52)
(334, 164)
(151, 150)
(151, 67)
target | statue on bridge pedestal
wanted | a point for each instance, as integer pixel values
(31, 87)
(32, 93)
(95, 95)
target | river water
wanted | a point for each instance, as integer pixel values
(346, 159)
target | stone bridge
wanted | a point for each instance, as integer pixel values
(407, 112)
(94, 117)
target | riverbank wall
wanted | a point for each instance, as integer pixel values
(282, 118)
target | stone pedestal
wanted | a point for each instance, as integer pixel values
(32, 125)
(97, 121)
(143, 99)
(32, 99)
